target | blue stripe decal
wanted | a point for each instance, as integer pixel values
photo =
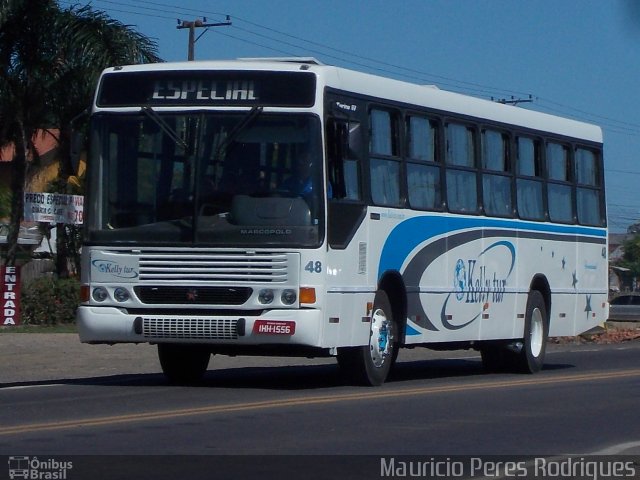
(409, 330)
(412, 232)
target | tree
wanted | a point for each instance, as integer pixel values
(22, 100)
(50, 59)
(631, 257)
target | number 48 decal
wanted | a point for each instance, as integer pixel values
(314, 267)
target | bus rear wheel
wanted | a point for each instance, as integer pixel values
(370, 364)
(525, 355)
(536, 331)
(183, 364)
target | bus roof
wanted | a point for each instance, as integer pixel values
(428, 96)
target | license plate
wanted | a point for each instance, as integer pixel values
(274, 327)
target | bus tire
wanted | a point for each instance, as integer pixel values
(183, 364)
(536, 331)
(370, 364)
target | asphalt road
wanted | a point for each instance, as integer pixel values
(71, 399)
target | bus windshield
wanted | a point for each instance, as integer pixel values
(211, 178)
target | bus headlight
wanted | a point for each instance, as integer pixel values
(121, 294)
(288, 297)
(100, 294)
(265, 296)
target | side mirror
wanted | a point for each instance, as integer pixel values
(344, 143)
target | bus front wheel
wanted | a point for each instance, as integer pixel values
(183, 364)
(370, 364)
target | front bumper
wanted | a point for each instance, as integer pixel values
(113, 325)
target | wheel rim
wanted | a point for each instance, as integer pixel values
(536, 337)
(381, 342)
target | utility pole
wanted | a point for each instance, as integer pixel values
(192, 31)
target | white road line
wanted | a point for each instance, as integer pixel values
(617, 449)
(25, 387)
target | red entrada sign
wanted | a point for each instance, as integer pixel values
(10, 289)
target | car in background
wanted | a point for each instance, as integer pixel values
(625, 308)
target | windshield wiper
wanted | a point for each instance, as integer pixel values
(164, 126)
(240, 126)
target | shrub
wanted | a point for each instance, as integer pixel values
(5, 201)
(49, 301)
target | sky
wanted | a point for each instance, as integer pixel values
(576, 58)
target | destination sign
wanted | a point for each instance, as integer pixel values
(205, 87)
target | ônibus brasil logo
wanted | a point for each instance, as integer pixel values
(38, 469)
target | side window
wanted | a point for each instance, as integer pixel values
(529, 179)
(586, 167)
(558, 162)
(460, 145)
(559, 187)
(496, 177)
(495, 151)
(383, 133)
(462, 195)
(351, 179)
(384, 161)
(423, 174)
(589, 190)
(421, 135)
(343, 151)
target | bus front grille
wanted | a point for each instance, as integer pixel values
(236, 267)
(190, 328)
(166, 294)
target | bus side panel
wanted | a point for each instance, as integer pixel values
(348, 319)
(499, 261)
(468, 278)
(591, 285)
(351, 285)
(596, 276)
(461, 281)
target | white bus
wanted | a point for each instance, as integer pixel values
(285, 207)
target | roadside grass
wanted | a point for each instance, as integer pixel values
(63, 328)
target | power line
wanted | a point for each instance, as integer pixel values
(611, 125)
(469, 85)
(634, 126)
(173, 6)
(626, 172)
(129, 5)
(244, 40)
(397, 69)
(615, 127)
(334, 57)
(70, 3)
